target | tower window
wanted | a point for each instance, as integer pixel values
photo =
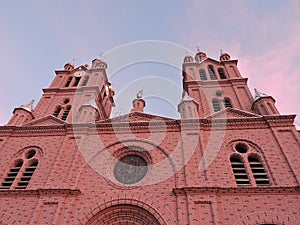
(222, 73)
(202, 74)
(227, 103)
(258, 171)
(85, 81)
(57, 111)
(68, 82)
(216, 105)
(77, 79)
(66, 113)
(211, 72)
(239, 171)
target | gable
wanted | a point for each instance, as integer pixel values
(135, 117)
(48, 120)
(229, 113)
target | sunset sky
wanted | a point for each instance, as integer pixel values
(39, 37)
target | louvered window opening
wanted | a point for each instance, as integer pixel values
(258, 171)
(68, 82)
(222, 73)
(216, 105)
(86, 79)
(66, 113)
(77, 79)
(11, 176)
(26, 176)
(57, 111)
(227, 103)
(211, 72)
(202, 74)
(239, 171)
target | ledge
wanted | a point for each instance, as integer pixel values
(39, 192)
(238, 190)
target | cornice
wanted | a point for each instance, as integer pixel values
(39, 192)
(70, 89)
(218, 82)
(290, 190)
(144, 126)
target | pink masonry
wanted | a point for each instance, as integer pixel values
(231, 159)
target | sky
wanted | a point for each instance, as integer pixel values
(39, 37)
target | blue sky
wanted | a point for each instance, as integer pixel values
(38, 37)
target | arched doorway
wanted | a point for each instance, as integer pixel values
(124, 214)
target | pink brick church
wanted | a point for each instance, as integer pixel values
(231, 159)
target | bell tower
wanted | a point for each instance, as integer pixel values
(72, 91)
(215, 85)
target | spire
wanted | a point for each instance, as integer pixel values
(28, 107)
(72, 62)
(186, 97)
(70, 65)
(259, 94)
(187, 107)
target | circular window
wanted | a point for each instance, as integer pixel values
(30, 153)
(219, 93)
(241, 148)
(66, 101)
(130, 169)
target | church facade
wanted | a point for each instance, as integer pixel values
(232, 158)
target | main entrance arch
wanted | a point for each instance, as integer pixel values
(124, 214)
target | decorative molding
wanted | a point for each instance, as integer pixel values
(291, 190)
(40, 192)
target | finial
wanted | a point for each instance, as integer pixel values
(258, 94)
(72, 62)
(221, 51)
(198, 49)
(28, 107)
(100, 57)
(140, 94)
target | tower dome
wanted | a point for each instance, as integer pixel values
(200, 56)
(188, 59)
(224, 57)
(99, 63)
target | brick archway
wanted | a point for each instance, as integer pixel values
(124, 214)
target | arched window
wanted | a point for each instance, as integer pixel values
(12, 174)
(253, 165)
(222, 73)
(239, 171)
(20, 174)
(68, 82)
(216, 105)
(211, 72)
(202, 74)
(85, 81)
(258, 171)
(66, 113)
(227, 103)
(57, 111)
(77, 79)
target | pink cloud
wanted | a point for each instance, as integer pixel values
(277, 73)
